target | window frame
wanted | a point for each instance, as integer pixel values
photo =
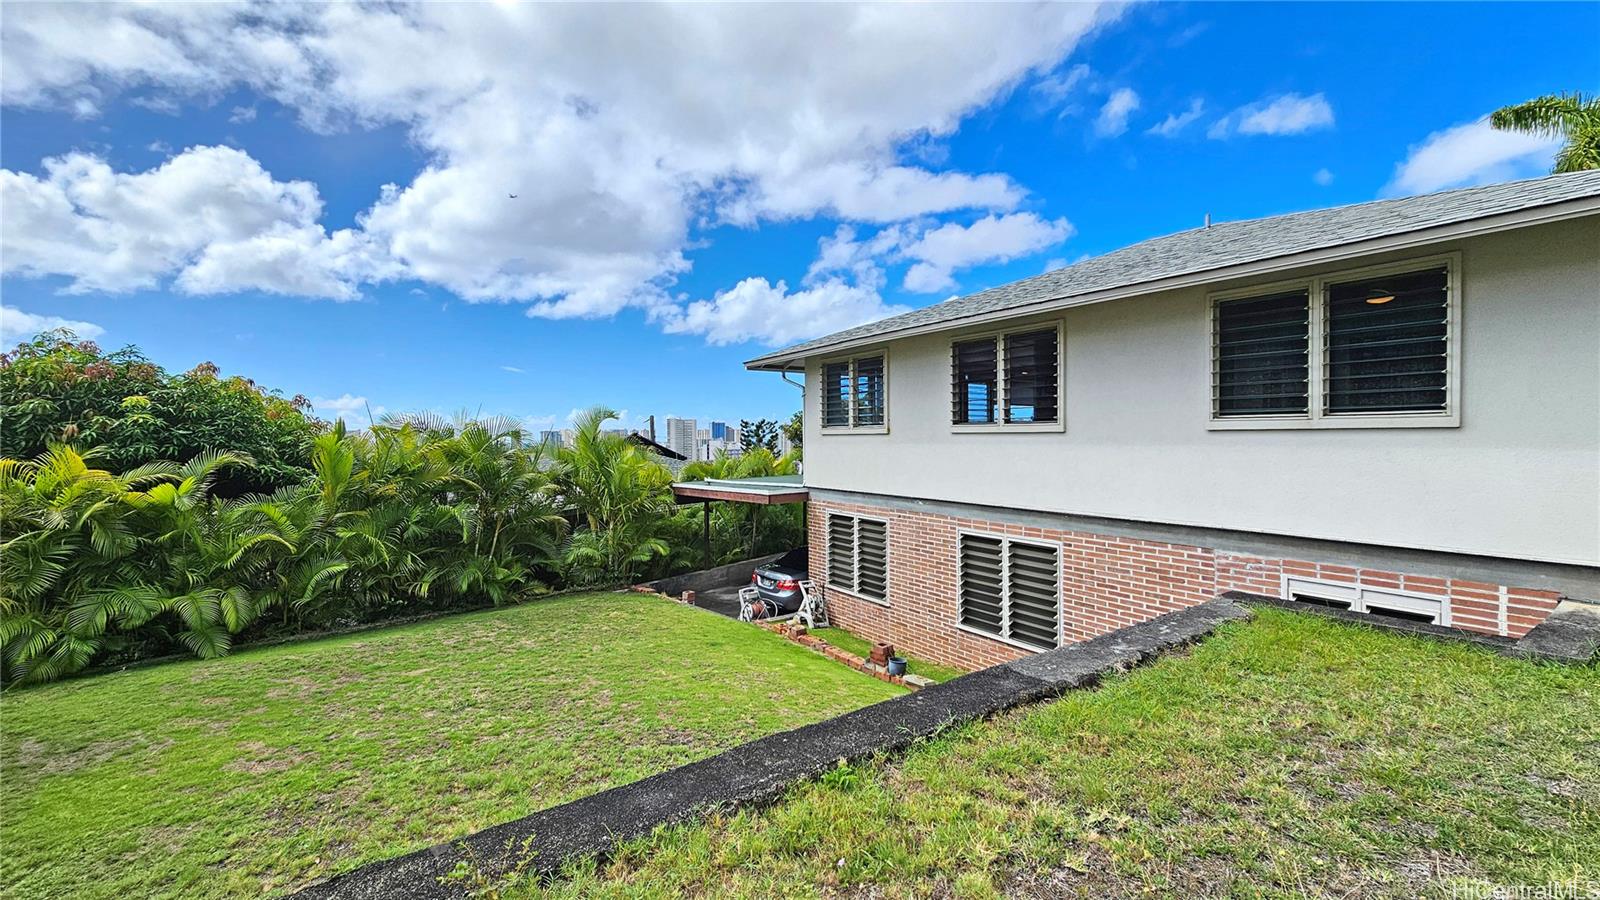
(1002, 383)
(855, 555)
(1316, 288)
(1006, 541)
(822, 393)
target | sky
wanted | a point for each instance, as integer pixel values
(527, 210)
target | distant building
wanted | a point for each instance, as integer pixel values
(719, 431)
(552, 439)
(681, 435)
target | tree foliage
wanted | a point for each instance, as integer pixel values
(110, 551)
(794, 430)
(405, 517)
(1572, 117)
(55, 389)
(761, 433)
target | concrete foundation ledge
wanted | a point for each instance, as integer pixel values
(595, 825)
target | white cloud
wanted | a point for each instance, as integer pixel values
(756, 310)
(1176, 122)
(242, 114)
(1281, 115)
(512, 369)
(935, 251)
(1468, 154)
(991, 239)
(1322, 176)
(20, 325)
(211, 218)
(1054, 89)
(355, 411)
(1113, 118)
(620, 134)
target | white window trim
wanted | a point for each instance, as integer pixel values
(822, 395)
(1005, 637)
(1316, 288)
(1002, 383)
(1358, 596)
(855, 555)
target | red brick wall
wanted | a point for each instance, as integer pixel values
(1107, 583)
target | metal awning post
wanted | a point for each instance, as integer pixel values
(705, 531)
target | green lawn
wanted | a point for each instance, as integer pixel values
(860, 646)
(1283, 757)
(259, 772)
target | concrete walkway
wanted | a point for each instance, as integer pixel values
(594, 825)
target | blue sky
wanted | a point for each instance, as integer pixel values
(217, 190)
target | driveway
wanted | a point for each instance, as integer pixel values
(722, 600)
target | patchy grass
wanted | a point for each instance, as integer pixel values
(262, 771)
(860, 646)
(1283, 757)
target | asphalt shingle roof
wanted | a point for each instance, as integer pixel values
(1226, 244)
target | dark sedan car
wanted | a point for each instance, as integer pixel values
(778, 583)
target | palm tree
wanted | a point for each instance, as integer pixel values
(1572, 117)
(82, 550)
(620, 496)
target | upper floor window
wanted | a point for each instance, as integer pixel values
(854, 393)
(1371, 347)
(1011, 379)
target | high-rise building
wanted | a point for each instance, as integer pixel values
(552, 438)
(719, 431)
(680, 436)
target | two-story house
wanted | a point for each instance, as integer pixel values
(1392, 408)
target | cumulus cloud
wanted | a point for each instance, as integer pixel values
(756, 310)
(939, 252)
(1178, 121)
(620, 134)
(934, 251)
(209, 217)
(1468, 154)
(1113, 118)
(1323, 176)
(1281, 115)
(355, 411)
(21, 325)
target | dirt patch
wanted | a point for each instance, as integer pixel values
(263, 760)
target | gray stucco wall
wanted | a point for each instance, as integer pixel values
(1519, 477)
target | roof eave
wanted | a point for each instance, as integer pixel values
(791, 360)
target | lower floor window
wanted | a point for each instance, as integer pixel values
(858, 555)
(1010, 589)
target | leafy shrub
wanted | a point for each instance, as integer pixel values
(56, 389)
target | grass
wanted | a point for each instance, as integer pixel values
(259, 772)
(1283, 757)
(860, 646)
